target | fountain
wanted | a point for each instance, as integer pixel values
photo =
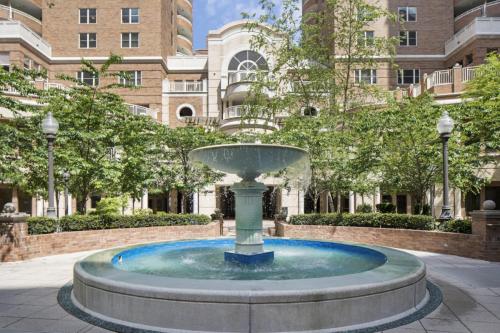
(277, 285)
(249, 161)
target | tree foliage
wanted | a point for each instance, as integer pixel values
(103, 146)
(314, 63)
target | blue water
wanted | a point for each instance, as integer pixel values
(204, 259)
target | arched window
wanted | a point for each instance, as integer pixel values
(310, 111)
(186, 111)
(247, 61)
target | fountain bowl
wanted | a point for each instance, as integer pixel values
(248, 161)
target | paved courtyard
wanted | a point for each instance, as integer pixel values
(471, 288)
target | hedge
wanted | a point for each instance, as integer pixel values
(460, 226)
(373, 220)
(41, 225)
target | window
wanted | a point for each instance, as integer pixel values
(186, 112)
(408, 76)
(247, 61)
(408, 14)
(367, 38)
(132, 78)
(88, 15)
(407, 38)
(310, 111)
(368, 76)
(88, 40)
(130, 15)
(88, 78)
(27, 63)
(130, 39)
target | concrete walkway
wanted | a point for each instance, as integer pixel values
(471, 291)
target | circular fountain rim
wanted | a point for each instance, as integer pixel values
(401, 269)
(265, 145)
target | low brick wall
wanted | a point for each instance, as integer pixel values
(16, 244)
(464, 245)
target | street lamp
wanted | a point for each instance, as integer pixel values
(445, 127)
(49, 128)
(66, 176)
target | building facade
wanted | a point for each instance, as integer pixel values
(179, 85)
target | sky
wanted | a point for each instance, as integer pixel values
(213, 14)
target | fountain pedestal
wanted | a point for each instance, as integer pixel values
(249, 247)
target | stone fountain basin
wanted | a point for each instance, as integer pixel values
(389, 292)
(249, 160)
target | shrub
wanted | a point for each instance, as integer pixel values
(460, 226)
(426, 210)
(109, 206)
(385, 208)
(82, 222)
(364, 208)
(142, 212)
(41, 225)
(374, 220)
(96, 222)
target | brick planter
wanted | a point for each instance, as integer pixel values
(16, 244)
(465, 245)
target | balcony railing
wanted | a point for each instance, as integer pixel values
(469, 73)
(13, 29)
(440, 78)
(186, 86)
(239, 111)
(242, 76)
(480, 26)
(53, 85)
(139, 110)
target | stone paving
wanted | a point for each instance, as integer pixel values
(471, 288)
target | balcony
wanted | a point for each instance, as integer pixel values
(18, 31)
(139, 110)
(186, 86)
(242, 76)
(446, 85)
(233, 119)
(481, 26)
(239, 84)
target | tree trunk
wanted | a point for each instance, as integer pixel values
(57, 202)
(339, 204)
(81, 204)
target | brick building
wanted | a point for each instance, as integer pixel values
(180, 85)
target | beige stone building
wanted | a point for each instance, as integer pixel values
(180, 85)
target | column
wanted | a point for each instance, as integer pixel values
(457, 196)
(145, 200)
(40, 207)
(70, 204)
(352, 202)
(248, 197)
(376, 199)
(300, 201)
(15, 198)
(196, 202)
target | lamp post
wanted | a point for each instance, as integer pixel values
(66, 176)
(49, 128)
(445, 127)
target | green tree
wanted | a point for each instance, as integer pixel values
(323, 60)
(410, 147)
(99, 142)
(177, 172)
(20, 84)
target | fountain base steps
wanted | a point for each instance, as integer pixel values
(249, 258)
